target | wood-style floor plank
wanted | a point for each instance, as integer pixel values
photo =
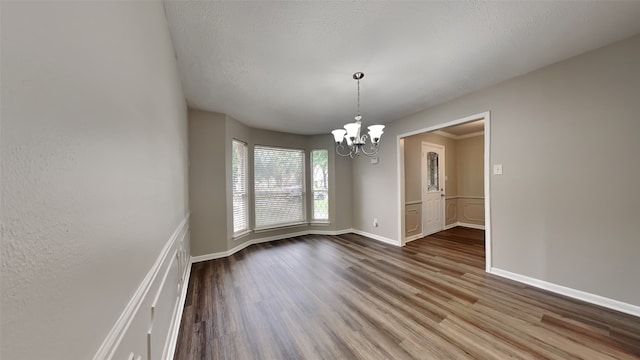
(349, 297)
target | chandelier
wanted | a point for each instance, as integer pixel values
(349, 142)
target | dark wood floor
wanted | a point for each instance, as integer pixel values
(348, 297)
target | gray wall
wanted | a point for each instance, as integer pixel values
(210, 136)
(470, 166)
(94, 168)
(207, 182)
(566, 208)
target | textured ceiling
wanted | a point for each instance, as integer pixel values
(287, 66)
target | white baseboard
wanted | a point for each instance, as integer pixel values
(414, 237)
(115, 336)
(473, 226)
(222, 254)
(376, 237)
(450, 226)
(573, 293)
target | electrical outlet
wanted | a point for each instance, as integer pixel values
(375, 222)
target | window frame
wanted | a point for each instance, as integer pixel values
(245, 195)
(313, 191)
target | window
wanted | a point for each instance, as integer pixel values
(239, 184)
(320, 181)
(278, 187)
(433, 183)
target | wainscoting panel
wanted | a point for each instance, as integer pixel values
(148, 327)
(470, 210)
(413, 219)
(451, 211)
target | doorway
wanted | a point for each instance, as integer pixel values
(483, 206)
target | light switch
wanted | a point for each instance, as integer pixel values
(374, 160)
(497, 169)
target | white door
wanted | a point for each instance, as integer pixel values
(432, 188)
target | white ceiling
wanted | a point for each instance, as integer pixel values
(287, 66)
(463, 130)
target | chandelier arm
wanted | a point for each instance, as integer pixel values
(340, 146)
(357, 143)
(374, 147)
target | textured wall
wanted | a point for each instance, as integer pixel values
(565, 209)
(93, 168)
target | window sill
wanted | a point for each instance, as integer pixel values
(320, 223)
(241, 234)
(280, 227)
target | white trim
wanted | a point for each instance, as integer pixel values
(487, 178)
(466, 136)
(473, 226)
(414, 202)
(156, 298)
(279, 227)
(458, 137)
(401, 189)
(453, 197)
(487, 192)
(573, 293)
(320, 223)
(170, 349)
(413, 237)
(119, 329)
(241, 234)
(463, 120)
(154, 306)
(451, 226)
(329, 232)
(222, 254)
(377, 237)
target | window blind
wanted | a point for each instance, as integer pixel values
(278, 186)
(239, 184)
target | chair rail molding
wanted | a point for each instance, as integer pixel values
(161, 292)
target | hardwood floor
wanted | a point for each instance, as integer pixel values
(348, 297)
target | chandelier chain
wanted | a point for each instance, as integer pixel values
(358, 97)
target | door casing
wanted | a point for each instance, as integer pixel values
(487, 178)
